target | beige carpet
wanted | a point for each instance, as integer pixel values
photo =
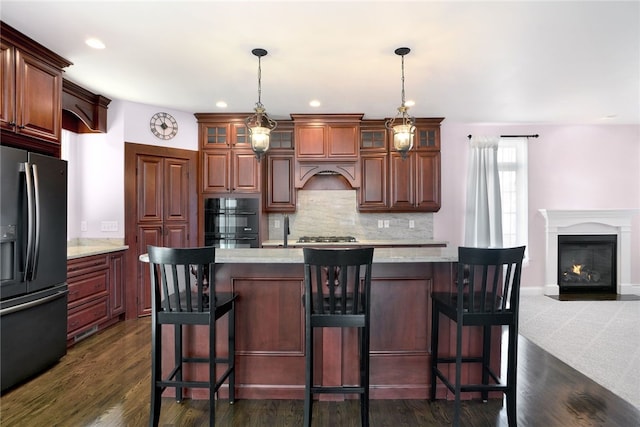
(601, 339)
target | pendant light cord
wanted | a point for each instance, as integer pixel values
(259, 104)
(402, 80)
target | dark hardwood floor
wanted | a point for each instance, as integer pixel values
(104, 381)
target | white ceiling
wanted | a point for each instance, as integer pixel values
(472, 62)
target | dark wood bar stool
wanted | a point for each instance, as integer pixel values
(183, 281)
(487, 293)
(337, 294)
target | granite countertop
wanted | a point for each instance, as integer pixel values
(360, 242)
(79, 248)
(294, 255)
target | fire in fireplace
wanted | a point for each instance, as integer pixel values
(587, 263)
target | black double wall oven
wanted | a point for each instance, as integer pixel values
(231, 222)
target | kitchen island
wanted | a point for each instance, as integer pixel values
(270, 362)
(377, 243)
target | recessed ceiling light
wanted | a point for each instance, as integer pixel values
(95, 43)
(314, 103)
(221, 104)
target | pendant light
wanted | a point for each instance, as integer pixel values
(259, 124)
(404, 128)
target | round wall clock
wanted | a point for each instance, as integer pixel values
(163, 125)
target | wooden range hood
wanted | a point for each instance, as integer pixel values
(327, 151)
(83, 111)
(328, 176)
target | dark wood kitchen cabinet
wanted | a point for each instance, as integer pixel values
(374, 166)
(227, 163)
(327, 136)
(161, 209)
(165, 212)
(415, 181)
(116, 290)
(373, 193)
(278, 190)
(391, 183)
(96, 294)
(31, 88)
(427, 134)
(232, 171)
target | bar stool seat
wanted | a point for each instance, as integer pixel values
(337, 294)
(487, 294)
(183, 281)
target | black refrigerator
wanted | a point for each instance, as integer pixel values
(33, 263)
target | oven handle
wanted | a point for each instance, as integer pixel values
(235, 238)
(233, 213)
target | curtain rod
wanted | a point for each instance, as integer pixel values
(513, 136)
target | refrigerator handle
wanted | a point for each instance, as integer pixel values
(36, 247)
(30, 225)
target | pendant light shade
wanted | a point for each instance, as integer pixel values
(402, 125)
(260, 124)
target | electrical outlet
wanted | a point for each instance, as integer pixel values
(412, 224)
(276, 223)
(386, 223)
(109, 226)
(380, 223)
(83, 225)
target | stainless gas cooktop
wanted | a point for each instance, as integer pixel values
(327, 239)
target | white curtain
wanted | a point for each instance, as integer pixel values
(483, 219)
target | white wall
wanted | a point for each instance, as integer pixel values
(96, 183)
(570, 167)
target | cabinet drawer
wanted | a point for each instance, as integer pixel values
(79, 266)
(87, 315)
(88, 285)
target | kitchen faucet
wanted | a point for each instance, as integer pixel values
(286, 230)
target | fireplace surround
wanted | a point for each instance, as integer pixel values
(589, 222)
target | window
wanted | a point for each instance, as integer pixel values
(512, 167)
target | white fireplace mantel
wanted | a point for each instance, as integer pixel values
(589, 221)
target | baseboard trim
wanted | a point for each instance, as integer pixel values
(532, 291)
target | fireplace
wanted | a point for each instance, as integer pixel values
(587, 263)
(589, 222)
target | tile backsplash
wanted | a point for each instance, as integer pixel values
(335, 213)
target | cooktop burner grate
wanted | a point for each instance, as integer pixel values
(326, 239)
